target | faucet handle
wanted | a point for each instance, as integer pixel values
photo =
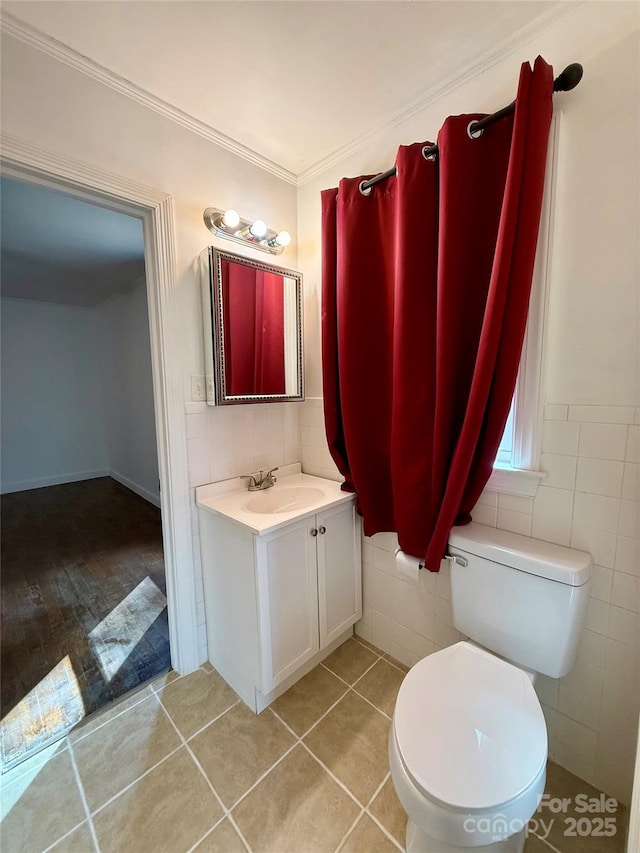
(250, 478)
(269, 478)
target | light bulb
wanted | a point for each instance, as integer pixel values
(258, 229)
(283, 238)
(231, 219)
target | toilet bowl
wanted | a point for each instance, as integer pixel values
(468, 752)
(468, 741)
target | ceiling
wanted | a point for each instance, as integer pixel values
(56, 248)
(294, 82)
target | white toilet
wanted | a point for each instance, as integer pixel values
(468, 741)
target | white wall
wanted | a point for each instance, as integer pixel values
(54, 106)
(77, 393)
(127, 389)
(52, 426)
(590, 443)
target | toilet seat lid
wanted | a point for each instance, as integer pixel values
(469, 728)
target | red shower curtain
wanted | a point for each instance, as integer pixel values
(372, 263)
(426, 286)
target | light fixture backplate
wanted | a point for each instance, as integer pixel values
(241, 234)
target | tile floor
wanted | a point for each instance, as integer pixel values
(183, 765)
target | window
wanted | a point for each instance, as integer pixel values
(516, 467)
(505, 451)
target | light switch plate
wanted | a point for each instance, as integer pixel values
(211, 391)
(198, 389)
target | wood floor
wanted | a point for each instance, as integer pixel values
(70, 555)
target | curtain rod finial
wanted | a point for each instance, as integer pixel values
(569, 78)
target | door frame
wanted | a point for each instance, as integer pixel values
(27, 162)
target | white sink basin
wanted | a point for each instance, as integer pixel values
(295, 495)
(283, 499)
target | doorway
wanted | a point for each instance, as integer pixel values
(155, 210)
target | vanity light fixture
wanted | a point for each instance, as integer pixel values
(258, 229)
(282, 238)
(231, 218)
(251, 232)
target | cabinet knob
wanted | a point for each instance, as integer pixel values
(314, 532)
(323, 529)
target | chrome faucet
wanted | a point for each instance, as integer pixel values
(261, 481)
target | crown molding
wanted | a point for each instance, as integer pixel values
(56, 49)
(445, 86)
(35, 38)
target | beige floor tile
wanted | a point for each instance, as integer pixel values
(32, 766)
(207, 667)
(223, 839)
(115, 755)
(166, 811)
(161, 681)
(368, 645)
(304, 703)
(562, 784)
(380, 685)
(238, 748)
(536, 845)
(196, 699)
(352, 741)
(38, 809)
(366, 837)
(108, 713)
(387, 808)
(78, 841)
(350, 660)
(296, 807)
(397, 663)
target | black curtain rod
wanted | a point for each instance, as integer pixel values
(564, 82)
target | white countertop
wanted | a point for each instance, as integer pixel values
(231, 499)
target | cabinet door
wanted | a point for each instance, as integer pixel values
(288, 600)
(339, 571)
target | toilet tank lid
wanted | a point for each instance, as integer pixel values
(534, 556)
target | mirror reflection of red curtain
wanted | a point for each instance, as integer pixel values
(426, 287)
(253, 315)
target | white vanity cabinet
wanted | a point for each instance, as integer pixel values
(279, 601)
(309, 592)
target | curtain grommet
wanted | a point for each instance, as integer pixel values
(364, 190)
(428, 153)
(474, 134)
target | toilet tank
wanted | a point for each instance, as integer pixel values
(519, 597)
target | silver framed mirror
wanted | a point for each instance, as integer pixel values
(253, 330)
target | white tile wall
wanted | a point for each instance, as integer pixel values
(589, 501)
(560, 437)
(600, 477)
(600, 414)
(603, 441)
(228, 441)
(552, 514)
(633, 444)
(316, 458)
(561, 470)
(555, 412)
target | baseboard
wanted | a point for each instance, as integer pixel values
(58, 480)
(134, 487)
